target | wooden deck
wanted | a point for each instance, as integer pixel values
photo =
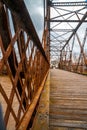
(68, 101)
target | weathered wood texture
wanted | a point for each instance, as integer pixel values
(68, 101)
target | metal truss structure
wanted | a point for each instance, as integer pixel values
(68, 34)
(22, 57)
(24, 60)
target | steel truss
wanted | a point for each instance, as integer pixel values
(68, 34)
(24, 66)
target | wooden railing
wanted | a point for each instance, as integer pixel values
(23, 65)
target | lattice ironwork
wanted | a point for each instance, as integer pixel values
(23, 60)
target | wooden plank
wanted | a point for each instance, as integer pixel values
(68, 124)
(68, 100)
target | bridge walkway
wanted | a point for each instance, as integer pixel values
(68, 101)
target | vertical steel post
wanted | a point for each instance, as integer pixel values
(48, 26)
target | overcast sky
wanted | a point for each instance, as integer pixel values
(35, 8)
(36, 12)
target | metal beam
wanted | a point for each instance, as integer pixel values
(62, 30)
(19, 9)
(67, 20)
(75, 30)
(82, 3)
(27, 117)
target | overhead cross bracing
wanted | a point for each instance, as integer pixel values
(66, 21)
(80, 3)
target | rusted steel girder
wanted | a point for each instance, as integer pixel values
(27, 116)
(21, 53)
(6, 39)
(75, 30)
(19, 9)
(4, 31)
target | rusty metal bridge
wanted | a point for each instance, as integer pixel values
(28, 99)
